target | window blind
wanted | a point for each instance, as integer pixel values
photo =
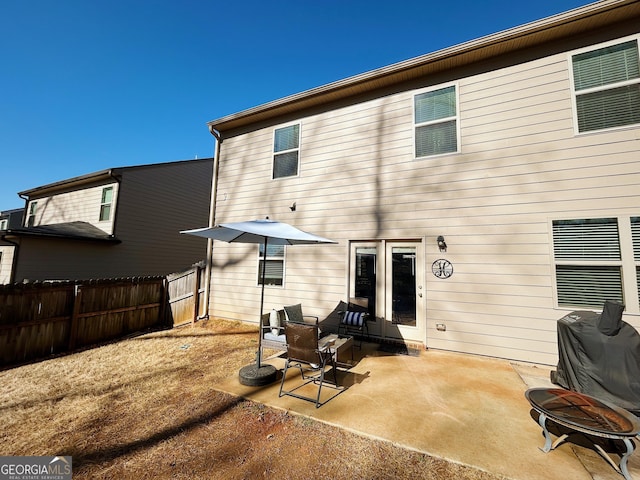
(435, 119)
(594, 241)
(287, 138)
(272, 250)
(608, 108)
(274, 266)
(586, 239)
(273, 274)
(635, 237)
(436, 105)
(606, 66)
(606, 101)
(588, 286)
(285, 164)
(436, 139)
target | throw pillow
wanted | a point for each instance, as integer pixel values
(274, 322)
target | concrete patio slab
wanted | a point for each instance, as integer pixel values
(463, 408)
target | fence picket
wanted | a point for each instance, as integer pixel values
(39, 319)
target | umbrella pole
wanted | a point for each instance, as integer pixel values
(256, 374)
(264, 267)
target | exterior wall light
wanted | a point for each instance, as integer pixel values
(442, 245)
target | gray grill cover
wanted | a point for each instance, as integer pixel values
(599, 354)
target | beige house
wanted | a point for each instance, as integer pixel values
(8, 219)
(118, 222)
(521, 150)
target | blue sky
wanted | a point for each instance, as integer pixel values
(88, 85)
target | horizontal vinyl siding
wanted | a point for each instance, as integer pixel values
(154, 204)
(236, 294)
(76, 206)
(43, 259)
(519, 166)
(6, 263)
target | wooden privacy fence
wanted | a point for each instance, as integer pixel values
(41, 319)
(186, 294)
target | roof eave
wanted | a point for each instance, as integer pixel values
(26, 232)
(69, 182)
(588, 17)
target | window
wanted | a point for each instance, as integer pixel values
(607, 87)
(286, 150)
(365, 283)
(436, 122)
(105, 203)
(31, 217)
(3, 224)
(635, 238)
(274, 265)
(588, 262)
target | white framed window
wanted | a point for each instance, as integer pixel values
(274, 265)
(3, 224)
(606, 86)
(635, 241)
(31, 216)
(588, 262)
(436, 122)
(286, 151)
(106, 203)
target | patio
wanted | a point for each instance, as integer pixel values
(464, 408)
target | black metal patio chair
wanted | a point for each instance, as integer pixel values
(304, 353)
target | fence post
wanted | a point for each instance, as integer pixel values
(73, 329)
(196, 295)
(163, 317)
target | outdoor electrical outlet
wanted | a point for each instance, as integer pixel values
(441, 327)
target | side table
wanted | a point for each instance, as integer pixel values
(341, 348)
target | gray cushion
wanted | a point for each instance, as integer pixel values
(294, 313)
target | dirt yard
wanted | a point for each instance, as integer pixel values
(145, 407)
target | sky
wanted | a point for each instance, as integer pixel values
(88, 85)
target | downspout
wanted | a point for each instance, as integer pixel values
(16, 245)
(212, 219)
(118, 179)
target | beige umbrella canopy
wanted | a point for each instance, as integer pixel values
(265, 232)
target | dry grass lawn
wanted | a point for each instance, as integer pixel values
(145, 407)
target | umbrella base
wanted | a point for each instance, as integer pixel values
(254, 376)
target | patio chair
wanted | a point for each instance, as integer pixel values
(272, 325)
(303, 352)
(353, 321)
(293, 313)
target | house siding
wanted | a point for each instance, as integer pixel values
(152, 205)
(6, 263)
(75, 206)
(520, 166)
(156, 203)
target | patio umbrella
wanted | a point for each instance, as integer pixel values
(265, 232)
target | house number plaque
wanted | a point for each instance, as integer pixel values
(442, 268)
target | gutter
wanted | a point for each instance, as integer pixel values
(212, 220)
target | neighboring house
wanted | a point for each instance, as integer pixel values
(8, 219)
(119, 222)
(520, 149)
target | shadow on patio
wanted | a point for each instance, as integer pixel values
(467, 409)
